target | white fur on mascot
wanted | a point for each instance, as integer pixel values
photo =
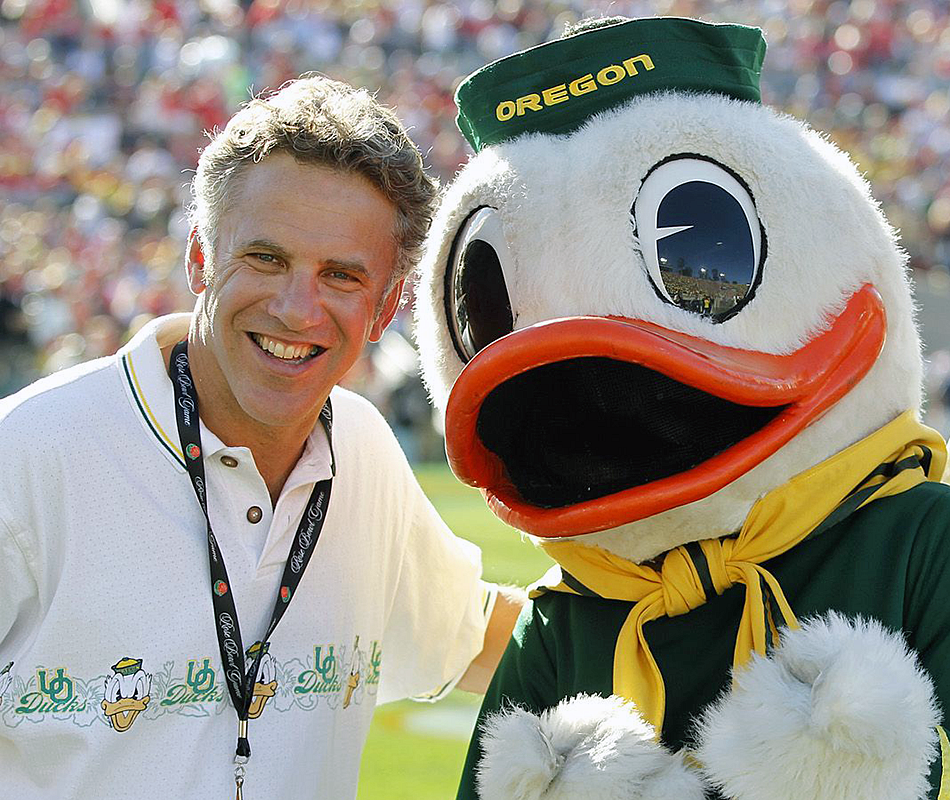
(674, 339)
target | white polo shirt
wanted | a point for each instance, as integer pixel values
(116, 688)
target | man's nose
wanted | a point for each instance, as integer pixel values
(298, 304)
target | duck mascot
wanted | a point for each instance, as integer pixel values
(674, 340)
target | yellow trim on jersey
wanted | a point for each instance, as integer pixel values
(944, 793)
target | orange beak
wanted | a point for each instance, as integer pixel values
(639, 395)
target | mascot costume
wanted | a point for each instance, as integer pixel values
(674, 339)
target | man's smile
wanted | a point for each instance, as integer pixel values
(286, 351)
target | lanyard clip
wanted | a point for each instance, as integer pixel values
(239, 772)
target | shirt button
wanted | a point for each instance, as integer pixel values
(254, 515)
(228, 461)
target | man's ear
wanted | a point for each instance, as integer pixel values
(195, 263)
(386, 312)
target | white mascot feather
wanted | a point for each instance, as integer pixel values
(674, 340)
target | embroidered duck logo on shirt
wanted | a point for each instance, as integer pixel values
(265, 686)
(126, 693)
(354, 678)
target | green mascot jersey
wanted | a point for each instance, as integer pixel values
(890, 560)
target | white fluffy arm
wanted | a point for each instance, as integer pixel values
(842, 710)
(587, 747)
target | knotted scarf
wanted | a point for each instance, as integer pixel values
(891, 460)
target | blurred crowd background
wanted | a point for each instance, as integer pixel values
(104, 105)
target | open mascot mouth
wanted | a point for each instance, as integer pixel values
(582, 424)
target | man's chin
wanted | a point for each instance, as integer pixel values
(283, 413)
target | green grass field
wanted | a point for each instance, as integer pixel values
(415, 751)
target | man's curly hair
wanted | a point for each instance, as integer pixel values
(327, 123)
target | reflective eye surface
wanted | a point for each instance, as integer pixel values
(700, 236)
(478, 305)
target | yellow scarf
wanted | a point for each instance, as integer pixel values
(899, 456)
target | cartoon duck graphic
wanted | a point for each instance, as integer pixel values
(126, 693)
(6, 677)
(673, 338)
(266, 684)
(353, 680)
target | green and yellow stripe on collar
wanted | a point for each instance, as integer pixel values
(151, 420)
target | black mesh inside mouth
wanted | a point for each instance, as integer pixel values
(588, 427)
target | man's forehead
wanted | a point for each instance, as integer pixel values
(278, 172)
(291, 206)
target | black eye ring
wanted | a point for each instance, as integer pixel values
(700, 235)
(478, 307)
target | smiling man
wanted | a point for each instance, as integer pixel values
(302, 276)
(214, 563)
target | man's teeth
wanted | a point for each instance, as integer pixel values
(288, 352)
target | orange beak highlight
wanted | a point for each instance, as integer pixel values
(800, 386)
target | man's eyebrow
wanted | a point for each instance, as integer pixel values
(266, 244)
(353, 266)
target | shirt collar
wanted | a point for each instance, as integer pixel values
(148, 386)
(151, 395)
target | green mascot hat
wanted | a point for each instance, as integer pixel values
(555, 87)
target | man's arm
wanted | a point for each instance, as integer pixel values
(508, 605)
(19, 594)
(526, 677)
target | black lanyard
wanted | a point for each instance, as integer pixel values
(240, 676)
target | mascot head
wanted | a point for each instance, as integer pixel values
(648, 300)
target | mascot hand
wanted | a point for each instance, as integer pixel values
(842, 710)
(591, 747)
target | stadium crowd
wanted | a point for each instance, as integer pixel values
(104, 104)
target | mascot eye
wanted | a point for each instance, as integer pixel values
(478, 306)
(700, 236)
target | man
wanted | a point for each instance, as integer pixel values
(115, 497)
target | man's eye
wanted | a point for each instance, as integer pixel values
(266, 261)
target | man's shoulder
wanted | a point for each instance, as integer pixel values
(94, 393)
(351, 403)
(356, 416)
(358, 426)
(47, 428)
(63, 395)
